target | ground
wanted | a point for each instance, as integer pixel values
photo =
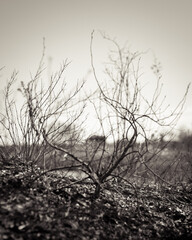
(47, 209)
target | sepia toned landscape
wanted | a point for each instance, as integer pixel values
(99, 157)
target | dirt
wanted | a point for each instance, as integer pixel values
(47, 209)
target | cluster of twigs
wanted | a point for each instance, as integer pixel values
(51, 117)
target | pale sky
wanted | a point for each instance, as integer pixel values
(164, 26)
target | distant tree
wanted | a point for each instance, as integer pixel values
(96, 138)
(185, 140)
